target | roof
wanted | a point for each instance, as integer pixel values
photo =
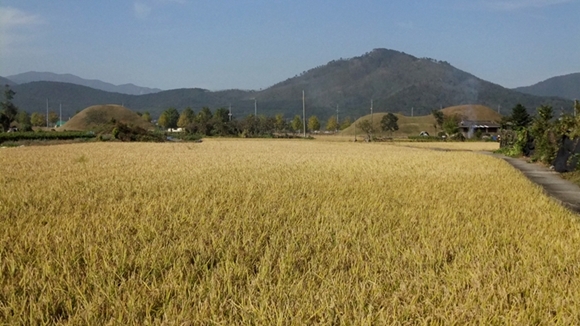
(478, 124)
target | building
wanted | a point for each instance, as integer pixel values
(469, 128)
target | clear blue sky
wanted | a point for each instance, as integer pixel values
(253, 44)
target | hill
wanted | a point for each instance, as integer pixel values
(567, 86)
(33, 76)
(95, 116)
(6, 81)
(412, 126)
(395, 81)
(32, 97)
(473, 112)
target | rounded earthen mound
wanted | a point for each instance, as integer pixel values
(99, 115)
(473, 112)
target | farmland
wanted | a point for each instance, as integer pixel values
(279, 232)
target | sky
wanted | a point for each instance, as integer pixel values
(253, 44)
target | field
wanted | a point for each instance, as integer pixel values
(266, 232)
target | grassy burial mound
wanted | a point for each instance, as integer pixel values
(473, 112)
(408, 126)
(98, 116)
(412, 126)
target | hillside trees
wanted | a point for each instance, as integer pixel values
(389, 122)
(8, 110)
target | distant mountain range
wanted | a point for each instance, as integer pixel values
(567, 86)
(394, 81)
(34, 76)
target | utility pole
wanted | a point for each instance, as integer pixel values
(371, 120)
(412, 109)
(255, 107)
(46, 113)
(337, 123)
(230, 114)
(60, 113)
(304, 113)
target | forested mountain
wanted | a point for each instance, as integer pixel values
(6, 81)
(394, 81)
(33, 76)
(567, 86)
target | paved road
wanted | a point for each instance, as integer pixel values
(566, 192)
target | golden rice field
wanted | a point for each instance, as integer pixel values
(279, 233)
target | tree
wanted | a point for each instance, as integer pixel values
(146, 116)
(37, 119)
(296, 124)
(23, 119)
(202, 122)
(332, 124)
(186, 118)
(163, 120)
(389, 122)
(345, 123)
(366, 127)
(439, 117)
(577, 107)
(168, 118)
(313, 123)
(451, 124)
(8, 110)
(222, 115)
(219, 123)
(280, 123)
(545, 149)
(520, 118)
(52, 117)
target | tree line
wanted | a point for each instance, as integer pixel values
(222, 123)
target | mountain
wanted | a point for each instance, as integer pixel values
(567, 86)
(394, 81)
(34, 76)
(6, 81)
(33, 97)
